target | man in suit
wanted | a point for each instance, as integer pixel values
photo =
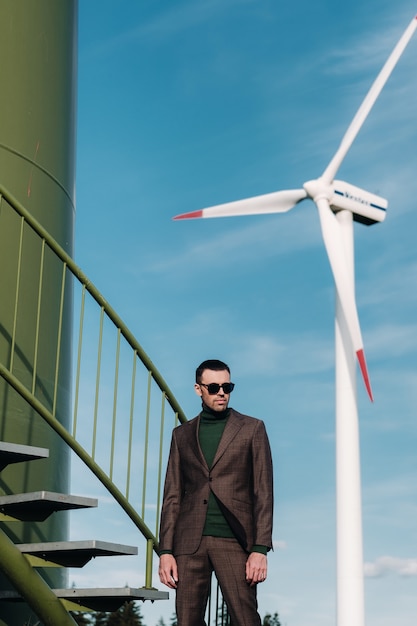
(217, 506)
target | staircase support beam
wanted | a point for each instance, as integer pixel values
(31, 585)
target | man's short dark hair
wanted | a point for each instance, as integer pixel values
(211, 364)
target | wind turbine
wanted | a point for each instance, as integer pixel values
(338, 204)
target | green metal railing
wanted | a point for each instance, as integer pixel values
(122, 410)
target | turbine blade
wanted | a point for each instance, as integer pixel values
(362, 113)
(334, 245)
(276, 202)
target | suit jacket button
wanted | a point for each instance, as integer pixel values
(204, 501)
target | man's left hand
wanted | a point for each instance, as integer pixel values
(256, 568)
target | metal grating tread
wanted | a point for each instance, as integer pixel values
(72, 553)
(106, 600)
(38, 505)
(17, 453)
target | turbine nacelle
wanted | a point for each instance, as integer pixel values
(367, 208)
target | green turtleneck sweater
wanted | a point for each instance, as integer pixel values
(212, 424)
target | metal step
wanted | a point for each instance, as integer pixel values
(71, 553)
(39, 505)
(17, 453)
(105, 600)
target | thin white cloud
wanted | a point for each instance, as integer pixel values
(392, 339)
(385, 565)
(168, 23)
(272, 356)
(400, 488)
(397, 286)
(370, 50)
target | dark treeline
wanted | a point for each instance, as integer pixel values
(130, 615)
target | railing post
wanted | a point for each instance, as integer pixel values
(148, 567)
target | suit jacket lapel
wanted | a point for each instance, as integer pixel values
(231, 429)
(196, 443)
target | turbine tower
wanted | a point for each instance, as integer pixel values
(338, 204)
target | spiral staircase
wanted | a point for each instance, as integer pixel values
(117, 434)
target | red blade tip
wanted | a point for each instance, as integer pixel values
(189, 216)
(362, 364)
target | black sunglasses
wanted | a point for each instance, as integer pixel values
(214, 388)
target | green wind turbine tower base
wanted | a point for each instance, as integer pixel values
(37, 162)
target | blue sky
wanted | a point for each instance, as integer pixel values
(185, 104)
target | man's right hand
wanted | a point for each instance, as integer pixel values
(168, 572)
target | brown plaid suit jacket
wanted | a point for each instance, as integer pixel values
(240, 478)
